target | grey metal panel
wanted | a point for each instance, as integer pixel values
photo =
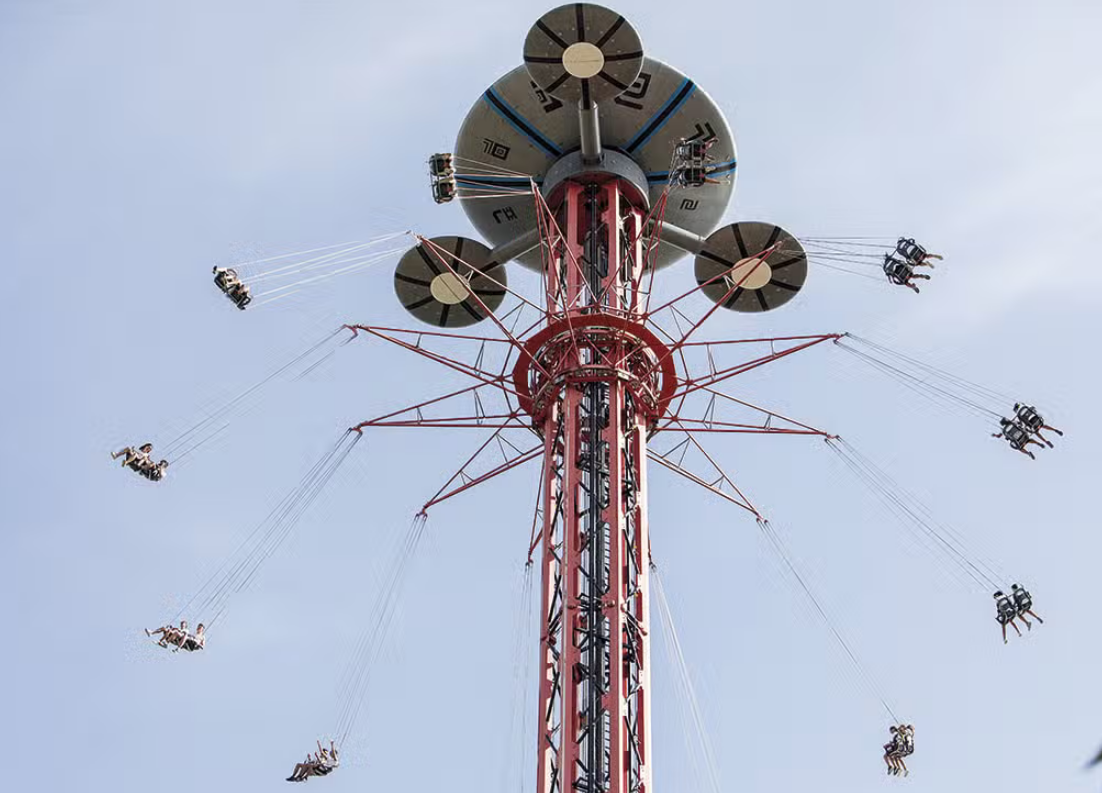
(745, 241)
(517, 125)
(583, 53)
(573, 166)
(419, 267)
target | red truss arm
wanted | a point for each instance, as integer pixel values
(709, 424)
(537, 515)
(486, 377)
(468, 481)
(412, 416)
(724, 427)
(677, 469)
(715, 486)
(691, 384)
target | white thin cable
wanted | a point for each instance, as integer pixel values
(362, 265)
(706, 747)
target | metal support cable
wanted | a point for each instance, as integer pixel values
(863, 673)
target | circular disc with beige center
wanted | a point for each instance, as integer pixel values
(449, 282)
(734, 270)
(449, 289)
(583, 60)
(753, 273)
(583, 53)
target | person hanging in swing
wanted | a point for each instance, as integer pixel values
(323, 762)
(304, 769)
(232, 286)
(194, 641)
(1023, 604)
(900, 746)
(154, 472)
(327, 759)
(1017, 436)
(1032, 421)
(170, 634)
(914, 254)
(135, 459)
(902, 272)
(907, 746)
(891, 751)
(1005, 613)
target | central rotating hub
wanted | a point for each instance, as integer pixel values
(449, 289)
(583, 60)
(586, 348)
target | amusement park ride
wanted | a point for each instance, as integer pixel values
(603, 133)
(594, 166)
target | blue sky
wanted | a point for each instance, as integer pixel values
(140, 142)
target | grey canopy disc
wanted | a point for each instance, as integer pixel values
(732, 270)
(518, 126)
(583, 53)
(444, 295)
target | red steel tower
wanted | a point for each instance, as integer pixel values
(594, 166)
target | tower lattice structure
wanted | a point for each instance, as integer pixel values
(597, 139)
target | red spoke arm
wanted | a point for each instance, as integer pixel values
(677, 469)
(537, 523)
(487, 378)
(719, 470)
(720, 427)
(811, 337)
(462, 422)
(436, 333)
(705, 425)
(516, 462)
(379, 419)
(768, 412)
(691, 384)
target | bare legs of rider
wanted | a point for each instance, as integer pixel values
(303, 770)
(169, 635)
(1013, 625)
(909, 282)
(1030, 613)
(127, 454)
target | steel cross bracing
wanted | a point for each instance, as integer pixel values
(594, 664)
(594, 376)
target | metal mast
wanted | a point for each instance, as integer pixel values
(573, 158)
(594, 387)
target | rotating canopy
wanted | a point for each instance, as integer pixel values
(517, 125)
(583, 53)
(442, 294)
(737, 254)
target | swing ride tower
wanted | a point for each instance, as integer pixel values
(579, 176)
